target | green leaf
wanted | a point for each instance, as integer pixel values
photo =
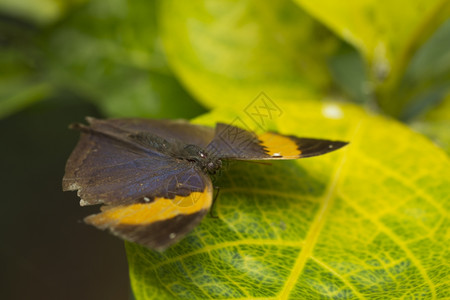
(106, 52)
(387, 33)
(227, 53)
(349, 74)
(110, 52)
(23, 95)
(427, 78)
(20, 85)
(436, 123)
(39, 11)
(368, 221)
(152, 95)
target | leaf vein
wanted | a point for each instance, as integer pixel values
(314, 232)
(207, 249)
(395, 238)
(342, 278)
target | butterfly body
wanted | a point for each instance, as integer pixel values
(152, 176)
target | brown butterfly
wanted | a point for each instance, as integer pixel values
(153, 175)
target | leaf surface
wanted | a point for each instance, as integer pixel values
(226, 53)
(369, 221)
(436, 123)
(117, 61)
(387, 33)
(426, 80)
(105, 52)
(43, 12)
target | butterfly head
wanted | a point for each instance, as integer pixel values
(208, 163)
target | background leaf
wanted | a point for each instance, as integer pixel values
(427, 78)
(349, 74)
(226, 53)
(38, 11)
(369, 219)
(106, 52)
(126, 76)
(435, 124)
(20, 84)
(388, 34)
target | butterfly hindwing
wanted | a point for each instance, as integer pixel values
(159, 223)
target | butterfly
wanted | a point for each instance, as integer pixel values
(153, 176)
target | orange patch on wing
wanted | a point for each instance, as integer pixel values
(278, 145)
(158, 210)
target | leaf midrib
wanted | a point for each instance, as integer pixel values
(315, 229)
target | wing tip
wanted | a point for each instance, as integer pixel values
(335, 145)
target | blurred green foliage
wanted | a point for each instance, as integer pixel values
(106, 52)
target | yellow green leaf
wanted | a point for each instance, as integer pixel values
(426, 80)
(39, 11)
(369, 220)
(228, 52)
(436, 124)
(386, 32)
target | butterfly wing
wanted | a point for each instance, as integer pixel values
(179, 130)
(161, 222)
(231, 142)
(151, 198)
(109, 164)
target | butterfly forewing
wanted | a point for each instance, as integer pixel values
(148, 193)
(231, 142)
